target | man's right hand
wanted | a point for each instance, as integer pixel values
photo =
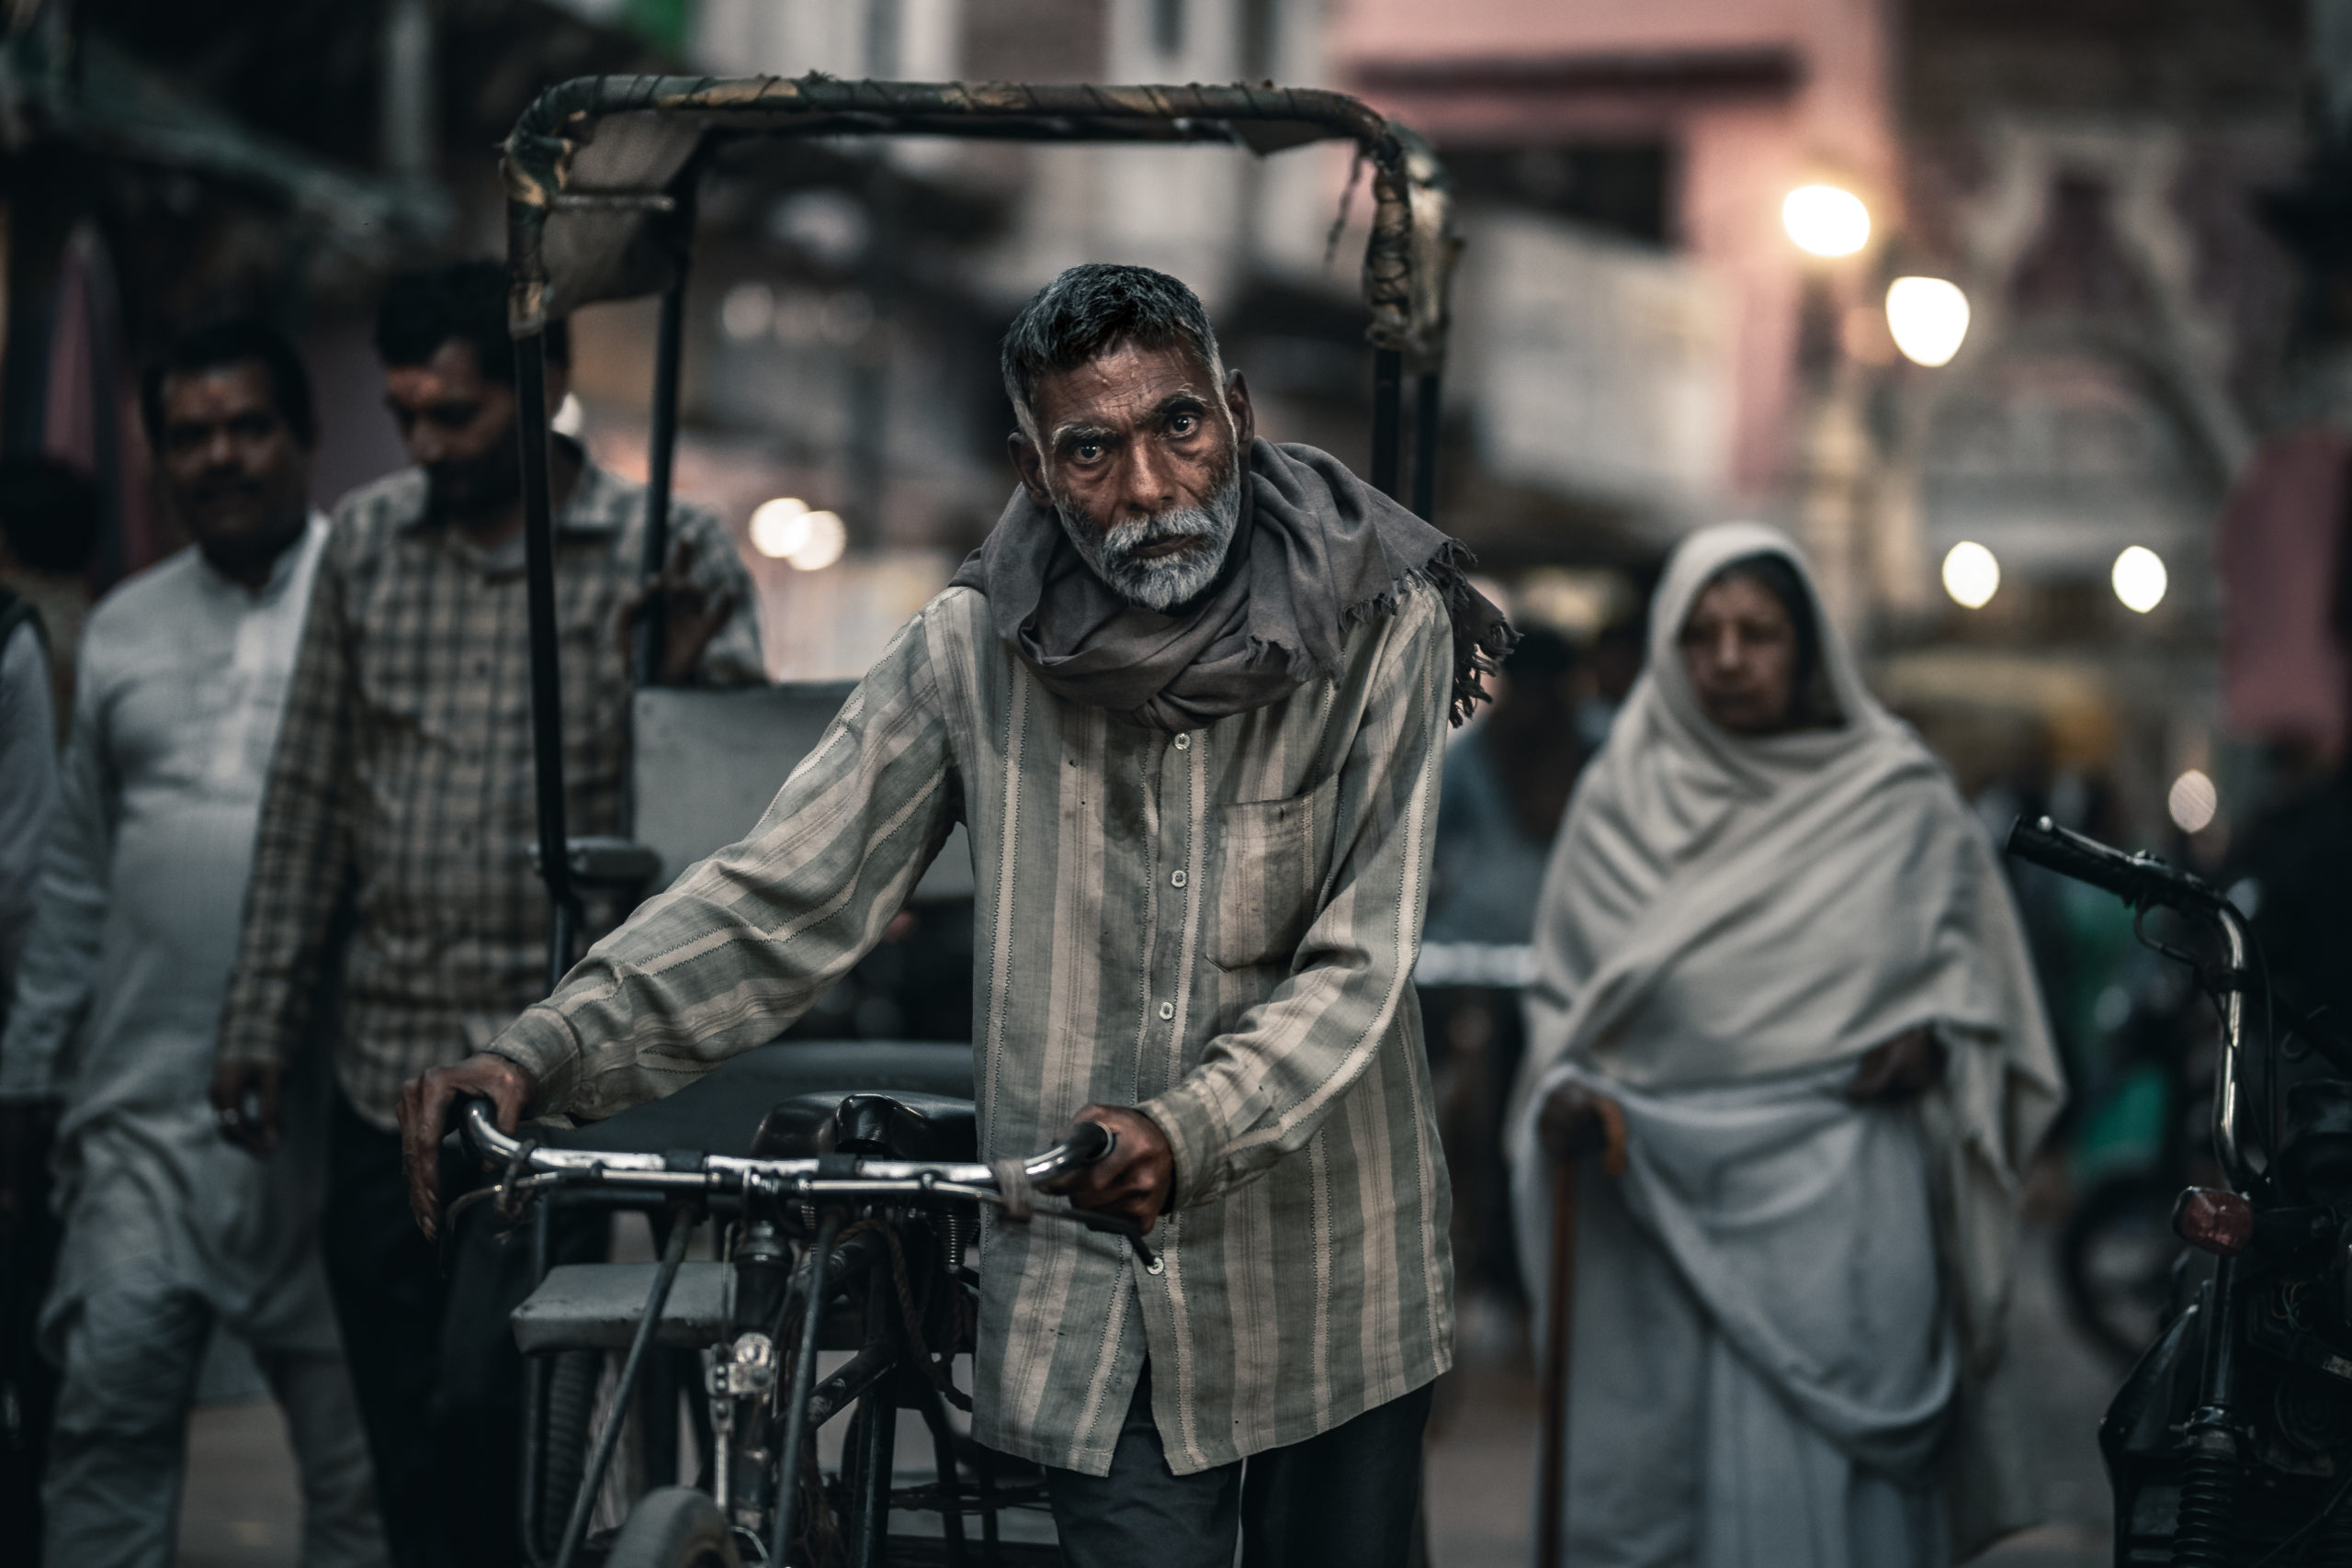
(424, 1116)
(245, 1098)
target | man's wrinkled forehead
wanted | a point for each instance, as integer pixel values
(1124, 388)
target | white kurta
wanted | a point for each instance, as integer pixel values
(1789, 1311)
(183, 680)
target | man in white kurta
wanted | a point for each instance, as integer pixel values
(169, 1230)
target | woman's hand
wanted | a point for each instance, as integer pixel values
(1898, 1071)
(1574, 1121)
(1570, 1123)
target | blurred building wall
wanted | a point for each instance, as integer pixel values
(1743, 99)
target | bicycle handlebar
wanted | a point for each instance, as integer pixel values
(478, 1126)
(827, 1176)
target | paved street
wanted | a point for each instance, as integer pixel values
(242, 1511)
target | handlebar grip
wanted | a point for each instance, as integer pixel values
(1089, 1141)
(462, 1125)
(2138, 880)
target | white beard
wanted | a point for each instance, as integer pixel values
(1161, 584)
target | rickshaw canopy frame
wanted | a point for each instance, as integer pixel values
(580, 214)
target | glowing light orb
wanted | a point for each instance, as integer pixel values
(2192, 802)
(1928, 319)
(2139, 578)
(785, 530)
(1825, 221)
(1972, 576)
(747, 311)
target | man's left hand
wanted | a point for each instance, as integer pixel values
(424, 1116)
(691, 615)
(1135, 1181)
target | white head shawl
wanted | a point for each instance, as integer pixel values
(1720, 908)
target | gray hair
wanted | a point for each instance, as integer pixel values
(1092, 309)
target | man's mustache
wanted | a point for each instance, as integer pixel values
(206, 491)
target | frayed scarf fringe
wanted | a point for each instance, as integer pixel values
(1482, 638)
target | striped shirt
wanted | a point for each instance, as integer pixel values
(1218, 927)
(402, 780)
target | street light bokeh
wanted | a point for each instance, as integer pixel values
(1928, 319)
(1825, 221)
(2192, 802)
(1971, 575)
(784, 529)
(2139, 578)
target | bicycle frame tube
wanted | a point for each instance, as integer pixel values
(576, 1529)
(796, 1404)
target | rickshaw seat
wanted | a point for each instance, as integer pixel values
(722, 1111)
(903, 1125)
(706, 764)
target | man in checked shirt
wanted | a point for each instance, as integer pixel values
(1190, 698)
(392, 869)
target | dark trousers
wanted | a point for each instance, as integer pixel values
(28, 1380)
(432, 1359)
(1350, 1498)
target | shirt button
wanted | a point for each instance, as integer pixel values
(1183, 743)
(1167, 1011)
(1177, 880)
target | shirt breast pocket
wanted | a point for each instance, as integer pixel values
(1271, 858)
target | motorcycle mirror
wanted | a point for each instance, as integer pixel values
(2214, 1221)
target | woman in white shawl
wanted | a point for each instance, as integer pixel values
(1777, 946)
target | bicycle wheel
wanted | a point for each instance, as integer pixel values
(564, 1437)
(674, 1526)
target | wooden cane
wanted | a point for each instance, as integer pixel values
(1560, 1309)
(1559, 1302)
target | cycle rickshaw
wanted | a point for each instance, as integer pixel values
(843, 1181)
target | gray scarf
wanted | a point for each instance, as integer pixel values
(1317, 549)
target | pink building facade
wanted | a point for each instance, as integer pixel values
(1747, 99)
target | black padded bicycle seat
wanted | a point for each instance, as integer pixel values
(722, 1111)
(904, 1125)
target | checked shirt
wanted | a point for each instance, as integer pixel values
(402, 793)
(1219, 927)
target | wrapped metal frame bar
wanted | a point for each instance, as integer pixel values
(589, 168)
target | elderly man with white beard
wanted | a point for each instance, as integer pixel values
(1190, 698)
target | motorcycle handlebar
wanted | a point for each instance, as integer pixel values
(2143, 880)
(2140, 880)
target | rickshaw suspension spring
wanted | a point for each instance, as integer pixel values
(2207, 1527)
(955, 1238)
